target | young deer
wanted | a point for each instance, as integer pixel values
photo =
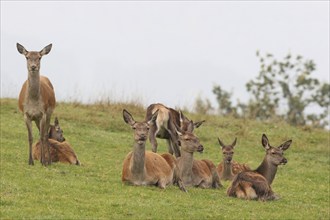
(143, 167)
(167, 121)
(256, 184)
(36, 100)
(60, 150)
(228, 168)
(198, 173)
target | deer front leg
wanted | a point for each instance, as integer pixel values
(174, 143)
(174, 140)
(29, 128)
(44, 139)
(170, 146)
(177, 179)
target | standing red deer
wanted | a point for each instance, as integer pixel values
(36, 100)
(228, 168)
(257, 184)
(198, 173)
(60, 150)
(165, 126)
(143, 167)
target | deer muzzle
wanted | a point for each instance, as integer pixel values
(200, 148)
(284, 161)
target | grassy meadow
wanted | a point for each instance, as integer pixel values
(101, 140)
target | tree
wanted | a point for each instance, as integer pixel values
(286, 88)
(201, 106)
(223, 98)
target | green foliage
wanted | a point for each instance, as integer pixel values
(101, 140)
(223, 98)
(288, 83)
(202, 106)
(283, 89)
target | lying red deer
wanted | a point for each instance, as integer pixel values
(36, 100)
(198, 173)
(143, 167)
(60, 150)
(167, 121)
(228, 168)
(256, 184)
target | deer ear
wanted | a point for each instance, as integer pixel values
(56, 123)
(221, 143)
(21, 49)
(46, 50)
(265, 142)
(153, 117)
(285, 145)
(234, 143)
(190, 127)
(199, 123)
(181, 116)
(128, 118)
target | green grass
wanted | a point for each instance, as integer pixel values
(101, 140)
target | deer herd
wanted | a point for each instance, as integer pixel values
(142, 167)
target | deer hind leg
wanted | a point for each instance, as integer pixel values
(152, 137)
(29, 128)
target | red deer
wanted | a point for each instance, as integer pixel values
(36, 100)
(167, 121)
(257, 184)
(198, 173)
(60, 150)
(143, 167)
(228, 168)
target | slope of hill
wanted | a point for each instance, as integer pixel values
(101, 140)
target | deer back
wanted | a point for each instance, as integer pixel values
(257, 184)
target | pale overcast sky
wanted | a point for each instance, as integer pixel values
(163, 51)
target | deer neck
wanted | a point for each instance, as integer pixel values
(137, 161)
(33, 85)
(187, 160)
(267, 170)
(227, 170)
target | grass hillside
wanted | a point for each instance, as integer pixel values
(101, 140)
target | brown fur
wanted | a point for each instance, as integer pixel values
(198, 173)
(168, 120)
(47, 91)
(37, 100)
(142, 167)
(257, 184)
(228, 168)
(59, 152)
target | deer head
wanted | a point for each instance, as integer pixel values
(188, 141)
(141, 129)
(275, 155)
(227, 150)
(55, 131)
(33, 57)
